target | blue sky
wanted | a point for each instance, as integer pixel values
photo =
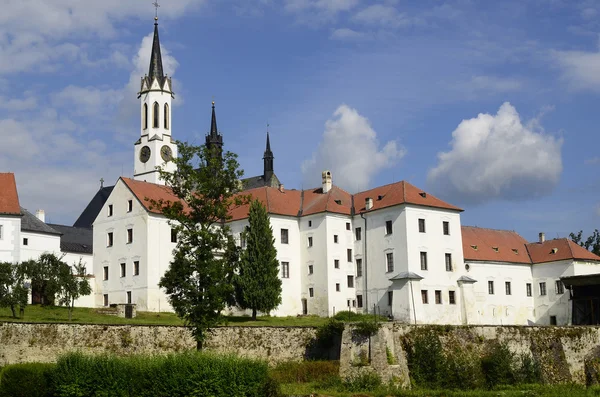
(492, 106)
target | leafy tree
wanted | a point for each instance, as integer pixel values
(258, 286)
(205, 184)
(13, 292)
(592, 243)
(73, 284)
(44, 274)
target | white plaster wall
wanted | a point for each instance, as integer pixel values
(159, 257)
(552, 304)
(317, 257)
(88, 261)
(10, 242)
(38, 244)
(335, 224)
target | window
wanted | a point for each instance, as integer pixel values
(358, 233)
(310, 269)
(0, 232)
(129, 236)
(388, 227)
(421, 225)
(110, 210)
(448, 262)
(424, 296)
(129, 297)
(350, 281)
(166, 117)
(348, 303)
(559, 287)
(173, 235)
(335, 238)
(359, 268)
(337, 287)
(129, 205)
(136, 268)
(438, 297)
(491, 287)
(543, 288)
(243, 240)
(348, 226)
(452, 297)
(336, 263)
(446, 227)
(528, 289)
(105, 273)
(309, 223)
(156, 113)
(310, 241)
(507, 288)
(349, 254)
(284, 236)
(123, 271)
(145, 117)
(105, 299)
(25, 241)
(552, 320)
(389, 257)
(109, 239)
(390, 297)
(359, 302)
(285, 269)
(353, 302)
(311, 292)
(423, 260)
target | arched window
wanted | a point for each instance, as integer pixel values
(156, 115)
(145, 117)
(166, 116)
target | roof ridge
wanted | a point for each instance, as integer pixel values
(379, 187)
(267, 198)
(403, 191)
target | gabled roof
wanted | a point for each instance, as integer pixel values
(74, 239)
(30, 223)
(9, 198)
(287, 202)
(558, 250)
(399, 193)
(90, 213)
(152, 191)
(491, 245)
(335, 200)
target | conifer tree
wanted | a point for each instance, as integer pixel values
(258, 286)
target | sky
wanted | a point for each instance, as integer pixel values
(491, 106)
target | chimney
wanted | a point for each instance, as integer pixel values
(368, 203)
(41, 215)
(281, 188)
(542, 237)
(326, 177)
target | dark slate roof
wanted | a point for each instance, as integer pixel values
(75, 239)
(156, 65)
(407, 276)
(30, 223)
(89, 214)
(259, 181)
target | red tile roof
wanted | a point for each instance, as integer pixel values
(558, 250)
(9, 198)
(277, 202)
(480, 244)
(146, 190)
(336, 200)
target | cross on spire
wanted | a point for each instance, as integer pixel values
(156, 5)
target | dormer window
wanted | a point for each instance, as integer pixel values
(474, 247)
(516, 251)
(495, 249)
(554, 250)
(338, 202)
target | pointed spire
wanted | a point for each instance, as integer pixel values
(214, 139)
(268, 157)
(156, 66)
(213, 122)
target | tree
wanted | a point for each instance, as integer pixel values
(44, 274)
(72, 284)
(197, 280)
(592, 243)
(13, 292)
(258, 286)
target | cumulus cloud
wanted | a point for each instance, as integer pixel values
(351, 151)
(579, 68)
(497, 157)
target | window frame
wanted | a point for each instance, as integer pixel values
(390, 296)
(358, 234)
(338, 287)
(529, 289)
(311, 292)
(136, 268)
(348, 226)
(110, 210)
(284, 236)
(156, 115)
(311, 269)
(423, 260)
(543, 290)
(438, 297)
(448, 261)
(425, 296)
(452, 297)
(336, 239)
(350, 280)
(285, 269)
(389, 227)
(359, 301)
(349, 255)
(129, 205)
(130, 235)
(105, 300)
(310, 241)
(110, 239)
(490, 287)
(446, 228)
(173, 235)
(105, 273)
(359, 269)
(388, 262)
(26, 241)
(507, 288)
(123, 268)
(336, 263)
(145, 117)
(166, 119)
(422, 226)
(559, 287)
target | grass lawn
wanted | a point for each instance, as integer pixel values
(39, 314)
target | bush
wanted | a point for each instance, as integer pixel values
(498, 366)
(190, 374)
(27, 380)
(366, 382)
(306, 371)
(426, 360)
(329, 332)
(367, 328)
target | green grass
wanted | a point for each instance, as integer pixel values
(39, 314)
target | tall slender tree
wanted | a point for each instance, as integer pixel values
(197, 282)
(258, 286)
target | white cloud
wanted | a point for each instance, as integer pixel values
(382, 16)
(350, 150)
(494, 84)
(89, 101)
(327, 6)
(579, 68)
(15, 104)
(497, 157)
(346, 34)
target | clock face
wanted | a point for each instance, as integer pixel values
(166, 153)
(145, 154)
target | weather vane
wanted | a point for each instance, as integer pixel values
(156, 5)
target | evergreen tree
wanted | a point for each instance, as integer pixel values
(258, 286)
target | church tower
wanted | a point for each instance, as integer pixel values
(214, 140)
(155, 147)
(268, 162)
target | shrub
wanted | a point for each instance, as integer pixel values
(329, 332)
(306, 371)
(498, 366)
(367, 328)
(27, 380)
(369, 381)
(529, 370)
(426, 360)
(349, 316)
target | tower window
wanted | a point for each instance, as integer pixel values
(285, 269)
(145, 117)
(166, 116)
(156, 114)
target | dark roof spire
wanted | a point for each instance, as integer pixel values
(213, 122)
(156, 66)
(268, 157)
(214, 139)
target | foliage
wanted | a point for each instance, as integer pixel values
(189, 374)
(13, 293)
(26, 380)
(391, 360)
(306, 371)
(369, 381)
(72, 284)
(328, 333)
(591, 243)
(45, 276)
(197, 281)
(426, 360)
(367, 328)
(258, 286)
(498, 366)
(528, 370)
(350, 316)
